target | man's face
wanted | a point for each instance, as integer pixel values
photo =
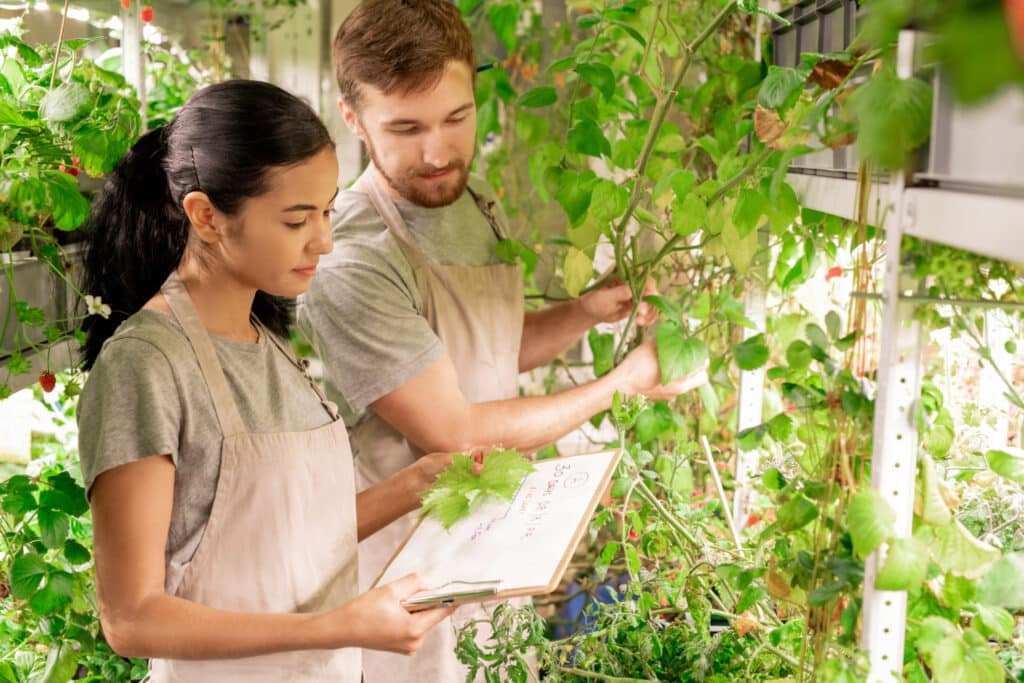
(422, 143)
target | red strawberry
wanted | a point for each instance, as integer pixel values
(633, 535)
(126, 4)
(833, 272)
(1015, 19)
(146, 14)
(47, 381)
(68, 169)
(752, 520)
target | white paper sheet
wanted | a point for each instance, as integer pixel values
(520, 543)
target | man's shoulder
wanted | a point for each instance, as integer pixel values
(360, 236)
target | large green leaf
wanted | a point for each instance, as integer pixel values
(678, 354)
(956, 550)
(574, 192)
(61, 664)
(503, 18)
(599, 76)
(740, 250)
(870, 519)
(893, 115)
(536, 98)
(796, 513)
(586, 137)
(27, 572)
(55, 594)
(996, 620)
(688, 214)
(69, 207)
(780, 87)
(751, 353)
(53, 527)
(1007, 462)
(750, 207)
(1003, 585)
(905, 567)
(966, 659)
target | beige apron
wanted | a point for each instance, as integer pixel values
(477, 312)
(281, 536)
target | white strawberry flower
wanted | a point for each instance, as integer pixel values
(95, 306)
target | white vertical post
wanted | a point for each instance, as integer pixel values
(751, 399)
(894, 460)
(133, 61)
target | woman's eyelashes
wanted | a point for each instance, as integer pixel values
(296, 226)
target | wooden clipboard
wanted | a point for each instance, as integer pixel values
(486, 556)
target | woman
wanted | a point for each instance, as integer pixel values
(220, 477)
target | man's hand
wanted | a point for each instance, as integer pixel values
(613, 301)
(640, 373)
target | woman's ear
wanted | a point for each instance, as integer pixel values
(205, 218)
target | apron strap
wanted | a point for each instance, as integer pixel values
(185, 311)
(303, 367)
(487, 209)
(370, 182)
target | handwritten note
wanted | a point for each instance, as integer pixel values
(523, 543)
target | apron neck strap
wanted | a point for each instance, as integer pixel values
(185, 311)
(371, 183)
(303, 367)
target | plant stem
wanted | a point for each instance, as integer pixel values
(60, 41)
(604, 677)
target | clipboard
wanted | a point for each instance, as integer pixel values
(507, 549)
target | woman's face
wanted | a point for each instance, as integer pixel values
(274, 242)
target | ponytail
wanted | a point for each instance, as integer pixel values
(230, 135)
(136, 236)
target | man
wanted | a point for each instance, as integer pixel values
(420, 327)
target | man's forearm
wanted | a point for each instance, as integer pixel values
(533, 422)
(550, 332)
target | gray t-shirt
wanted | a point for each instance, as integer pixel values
(146, 396)
(363, 312)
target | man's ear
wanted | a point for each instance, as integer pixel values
(206, 220)
(351, 119)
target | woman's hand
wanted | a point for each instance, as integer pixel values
(376, 619)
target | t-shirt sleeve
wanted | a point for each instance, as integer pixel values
(130, 408)
(363, 320)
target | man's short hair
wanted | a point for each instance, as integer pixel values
(399, 46)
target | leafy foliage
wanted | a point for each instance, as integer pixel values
(458, 489)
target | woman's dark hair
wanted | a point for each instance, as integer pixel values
(223, 142)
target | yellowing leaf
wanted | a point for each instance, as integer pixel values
(577, 269)
(956, 550)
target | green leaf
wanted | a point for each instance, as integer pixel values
(996, 620)
(893, 115)
(66, 202)
(503, 472)
(53, 527)
(740, 250)
(783, 208)
(822, 595)
(536, 98)
(905, 567)
(833, 324)
(632, 560)
(76, 553)
(934, 510)
(780, 427)
(55, 595)
(751, 353)
(574, 193)
(1007, 462)
(677, 354)
(751, 206)
(599, 76)
(654, 421)
(780, 87)
(457, 490)
(602, 346)
(773, 479)
(513, 251)
(503, 19)
(956, 550)
(870, 519)
(27, 572)
(61, 664)
(586, 137)
(605, 558)
(796, 513)
(967, 659)
(688, 215)
(817, 337)
(578, 269)
(932, 631)
(751, 438)
(752, 595)
(1003, 585)
(798, 355)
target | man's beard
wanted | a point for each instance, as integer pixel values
(434, 194)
